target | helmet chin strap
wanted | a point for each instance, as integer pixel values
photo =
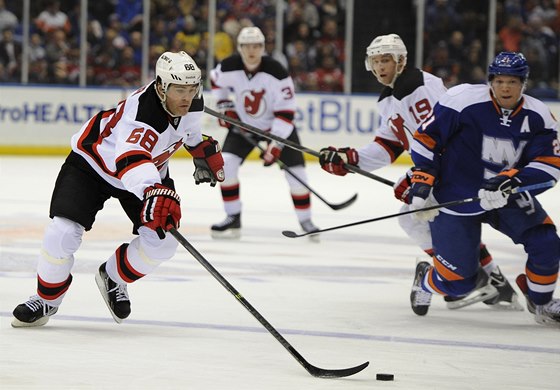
(400, 65)
(498, 99)
(163, 100)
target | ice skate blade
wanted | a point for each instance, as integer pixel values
(482, 294)
(230, 234)
(507, 306)
(20, 324)
(103, 290)
(314, 238)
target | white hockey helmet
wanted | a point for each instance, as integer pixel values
(249, 35)
(387, 44)
(177, 68)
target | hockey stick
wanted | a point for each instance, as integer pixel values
(292, 234)
(291, 144)
(334, 206)
(315, 371)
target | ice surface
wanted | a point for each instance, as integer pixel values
(339, 302)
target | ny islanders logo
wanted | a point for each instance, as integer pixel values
(254, 103)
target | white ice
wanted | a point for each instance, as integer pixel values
(339, 302)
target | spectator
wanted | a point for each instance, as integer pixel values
(189, 36)
(302, 11)
(328, 77)
(10, 55)
(440, 65)
(7, 18)
(511, 34)
(129, 12)
(52, 18)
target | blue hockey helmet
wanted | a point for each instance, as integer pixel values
(509, 64)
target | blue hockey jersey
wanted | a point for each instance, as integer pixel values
(470, 138)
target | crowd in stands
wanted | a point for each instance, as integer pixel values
(455, 40)
(313, 39)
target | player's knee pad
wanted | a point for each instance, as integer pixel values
(231, 168)
(62, 238)
(296, 186)
(152, 248)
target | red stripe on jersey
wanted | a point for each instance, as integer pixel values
(394, 149)
(93, 135)
(130, 160)
(286, 116)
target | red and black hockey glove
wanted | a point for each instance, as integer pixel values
(402, 186)
(208, 161)
(227, 107)
(161, 210)
(272, 153)
(333, 160)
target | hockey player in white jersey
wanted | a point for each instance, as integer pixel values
(485, 141)
(124, 153)
(256, 89)
(404, 104)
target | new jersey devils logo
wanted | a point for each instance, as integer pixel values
(399, 129)
(254, 103)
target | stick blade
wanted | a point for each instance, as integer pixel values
(334, 373)
(290, 234)
(343, 205)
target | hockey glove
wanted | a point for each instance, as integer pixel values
(227, 107)
(161, 210)
(495, 192)
(208, 161)
(421, 194)
(272, 153)
(402, 187)
(333, 160)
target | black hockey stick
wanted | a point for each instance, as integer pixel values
(292, 234)
(334, 206)
(315, 371)
(291, 144)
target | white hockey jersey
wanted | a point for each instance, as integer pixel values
(402, 109)
(264, 99)
(130, 146)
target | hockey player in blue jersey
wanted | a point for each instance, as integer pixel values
(404, 104)
(485, 141)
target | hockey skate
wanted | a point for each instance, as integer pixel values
(483, 291)
(229, 228)
(507, 298)
(115, 295)
(548, 314)
(419, 299)
(34, 312)
(309, 227)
